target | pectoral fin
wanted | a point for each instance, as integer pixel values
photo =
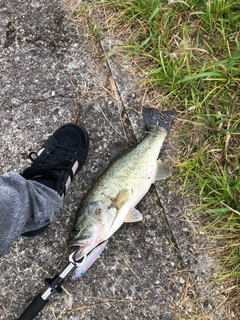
(163, 171)
(120, 199)
(133, 216)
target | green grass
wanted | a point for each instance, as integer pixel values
(189, 52)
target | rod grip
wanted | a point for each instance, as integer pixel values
(34, 308)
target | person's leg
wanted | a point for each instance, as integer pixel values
(30, 201)
(26, 205)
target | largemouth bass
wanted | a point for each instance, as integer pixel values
(113, 196)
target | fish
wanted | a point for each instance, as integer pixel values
(113, 197)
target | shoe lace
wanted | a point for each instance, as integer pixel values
(56, 158)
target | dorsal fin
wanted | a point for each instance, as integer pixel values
(116, 149)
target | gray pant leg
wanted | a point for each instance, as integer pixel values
(25, 205)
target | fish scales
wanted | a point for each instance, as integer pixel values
(130, 167)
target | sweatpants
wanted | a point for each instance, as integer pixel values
(25, 205)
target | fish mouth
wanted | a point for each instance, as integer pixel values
(74, 244)
(80, 250)
(77, 248)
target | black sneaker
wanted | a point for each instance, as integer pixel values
(59, 158)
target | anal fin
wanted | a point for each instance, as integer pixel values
(163, 171)
(133, 216)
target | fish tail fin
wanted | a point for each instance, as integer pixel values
(153, 117)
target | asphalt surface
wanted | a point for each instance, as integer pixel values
(159, 268)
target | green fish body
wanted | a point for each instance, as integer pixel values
(112, 198)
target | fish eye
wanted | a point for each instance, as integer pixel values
(75, 231)
(98, 212)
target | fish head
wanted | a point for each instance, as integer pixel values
(90, 228)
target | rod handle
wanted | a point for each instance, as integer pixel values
(34, 308)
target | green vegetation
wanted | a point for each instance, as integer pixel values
(189, 52)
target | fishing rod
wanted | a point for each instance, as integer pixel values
(54, 285)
